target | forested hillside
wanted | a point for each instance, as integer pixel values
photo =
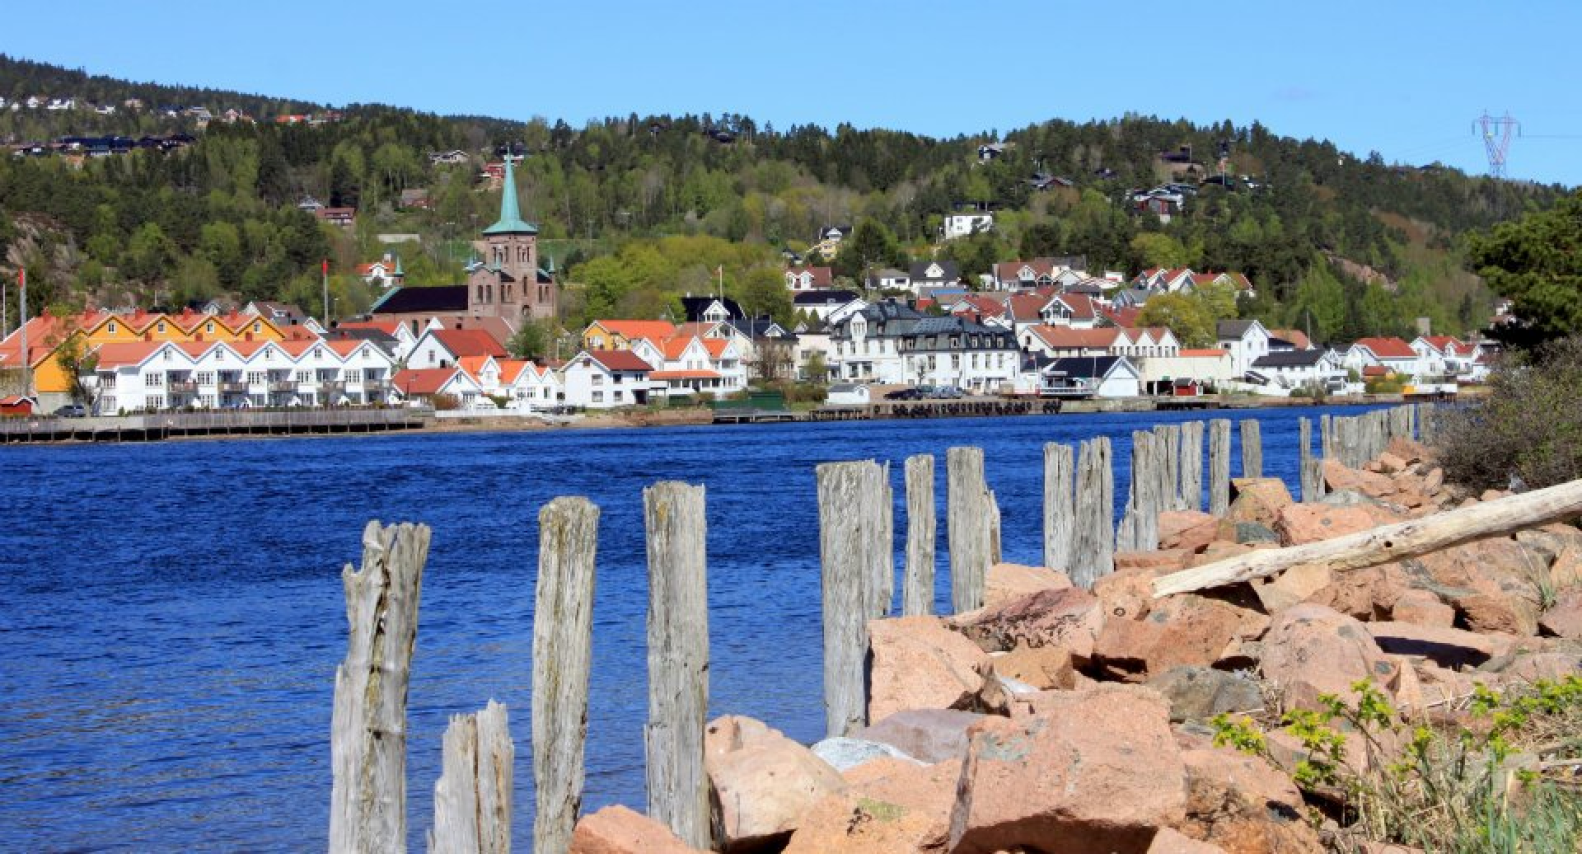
(221, 217)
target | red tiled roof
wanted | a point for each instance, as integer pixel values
(620, 360)
(822, 277)
(654, 330)
(1375, 371)
(126, 353)
(1205, 353)
(1065, 338)
(1295, 336)
(1447, 344)
(469, 342)
(1388, 348)
(1081, 305)
(422, 380)
(1026, 306)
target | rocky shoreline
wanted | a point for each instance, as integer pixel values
(1060, 719)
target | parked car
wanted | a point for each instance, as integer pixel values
(950, 392)
(72, 410)
(904, 394)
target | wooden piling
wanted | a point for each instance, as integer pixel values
(1059, 508)
(1219, 466)
(368, 723)
(1326, 431)
(917, 590)
(1311, 476)
(678, 659)
(1191, 491)
(1147, 498)
(970, 525)
(472, 798)
(562, 662)
(1251, 448)
(850, 532)
(1092, 555)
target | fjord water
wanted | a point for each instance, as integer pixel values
(173, 612)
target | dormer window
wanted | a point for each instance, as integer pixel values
(111, 328)
(162, 327)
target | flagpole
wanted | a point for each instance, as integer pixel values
(325, 277)
(27, 355)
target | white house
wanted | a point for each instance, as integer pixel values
(1392, 355)
(826, 305)
(605, 379)
(1206, 366)
(1290, 370)
(846, 394)
(1090, 376)
(442, 348)
(893, 343)
(809, 278)
(423, 386)
(967, 224)
(1447, 356)
(1247, 341)
(891, 279)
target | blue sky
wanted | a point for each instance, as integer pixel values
(1405, 79)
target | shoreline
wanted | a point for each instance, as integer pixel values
(704, 416)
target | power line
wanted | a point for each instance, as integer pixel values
(1497, 133)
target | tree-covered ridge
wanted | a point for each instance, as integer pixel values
(221, 217)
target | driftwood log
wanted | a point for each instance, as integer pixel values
(1390, 542)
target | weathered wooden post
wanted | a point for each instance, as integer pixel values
(472, 798)
(1425, 423)
(1191, 494)
(1219, 466)
(1326, 431)
(562, 660)
(678, 659)
(883, 586)
(1146, 497)
(1059, 507)
(1092, 554)
(368, 723)
(1168, 467)
(849, 547)
(917, 591)
(1251, 448)
(1311, 489)
(969, 525)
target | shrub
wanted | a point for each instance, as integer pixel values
(444, 402)
(1529, 428)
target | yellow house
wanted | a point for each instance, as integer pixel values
(619, 334)
(47, 333)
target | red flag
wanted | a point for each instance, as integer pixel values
(326, 266)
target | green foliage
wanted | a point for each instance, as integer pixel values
(1185, 315)
(1153, 249)
(1528, 427)
(77, 362)
(1536, 261)
(532, 341)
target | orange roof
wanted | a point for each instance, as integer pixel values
(344, 346)
(1205, 353)
(1026, 306)
(716, 346)
(656, 330)
(422, 380)
(126, 353)
(1295, 336)
(469, 342)
(683, 375)
(1064, 337)
(1443, 343)
(1156, 332)
(473, 364)
(511, 369)
(674, 347)
(1388, 348)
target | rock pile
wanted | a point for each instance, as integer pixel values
(1062, 719)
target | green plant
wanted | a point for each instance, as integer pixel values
(1529, 426)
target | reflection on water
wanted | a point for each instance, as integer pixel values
(173, 612)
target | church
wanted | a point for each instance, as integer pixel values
(504, 279)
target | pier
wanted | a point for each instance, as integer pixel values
(155, 427)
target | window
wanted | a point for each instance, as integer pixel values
(110, 328)
(598, 379)
(206, 401)
(154, 401)
(154, 380)
(304, 376)
(107, 404)
(258, 327)
(255, 377)
(616, 397)
(205, 378)
(209, 327)
(598, 397)
(161, 327)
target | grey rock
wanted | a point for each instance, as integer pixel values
(928, 735)
(1255, 532)
(1200, 693)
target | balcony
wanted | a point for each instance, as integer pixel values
(233, 387)
(181, 387)
(282, 385)
(331, 386)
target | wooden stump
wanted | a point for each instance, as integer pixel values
(678, 659)
(1093, 555)
(850, 535)
(917, 593)
(1141, 523)
(970, 525)
(1059, 506)
(1312, 489)
(1251, 448)
(368, 723)
(1219, 466)
(562, 661)
(1191, 497)
(472, 798)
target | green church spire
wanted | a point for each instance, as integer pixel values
(511, 221)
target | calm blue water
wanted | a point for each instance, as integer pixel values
(173, 613)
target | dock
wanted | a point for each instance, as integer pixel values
(160, 426)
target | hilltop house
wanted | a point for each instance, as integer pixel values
(809, 278)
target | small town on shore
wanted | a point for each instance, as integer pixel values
(1033, 328)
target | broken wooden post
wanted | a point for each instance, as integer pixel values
(1059, 507)
(1219, 466)
(849, 547)
(1169, 465)
(1326, 431)
(1251, 448)
(678, 659)
(1092, 550)
(1390, 543)
(969, 525)
(883, 586)
(917, 592)
(368, 723)
(472, 798)
(1139, 530)
(1191, 497)
(1311, 475)
(562, 661)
